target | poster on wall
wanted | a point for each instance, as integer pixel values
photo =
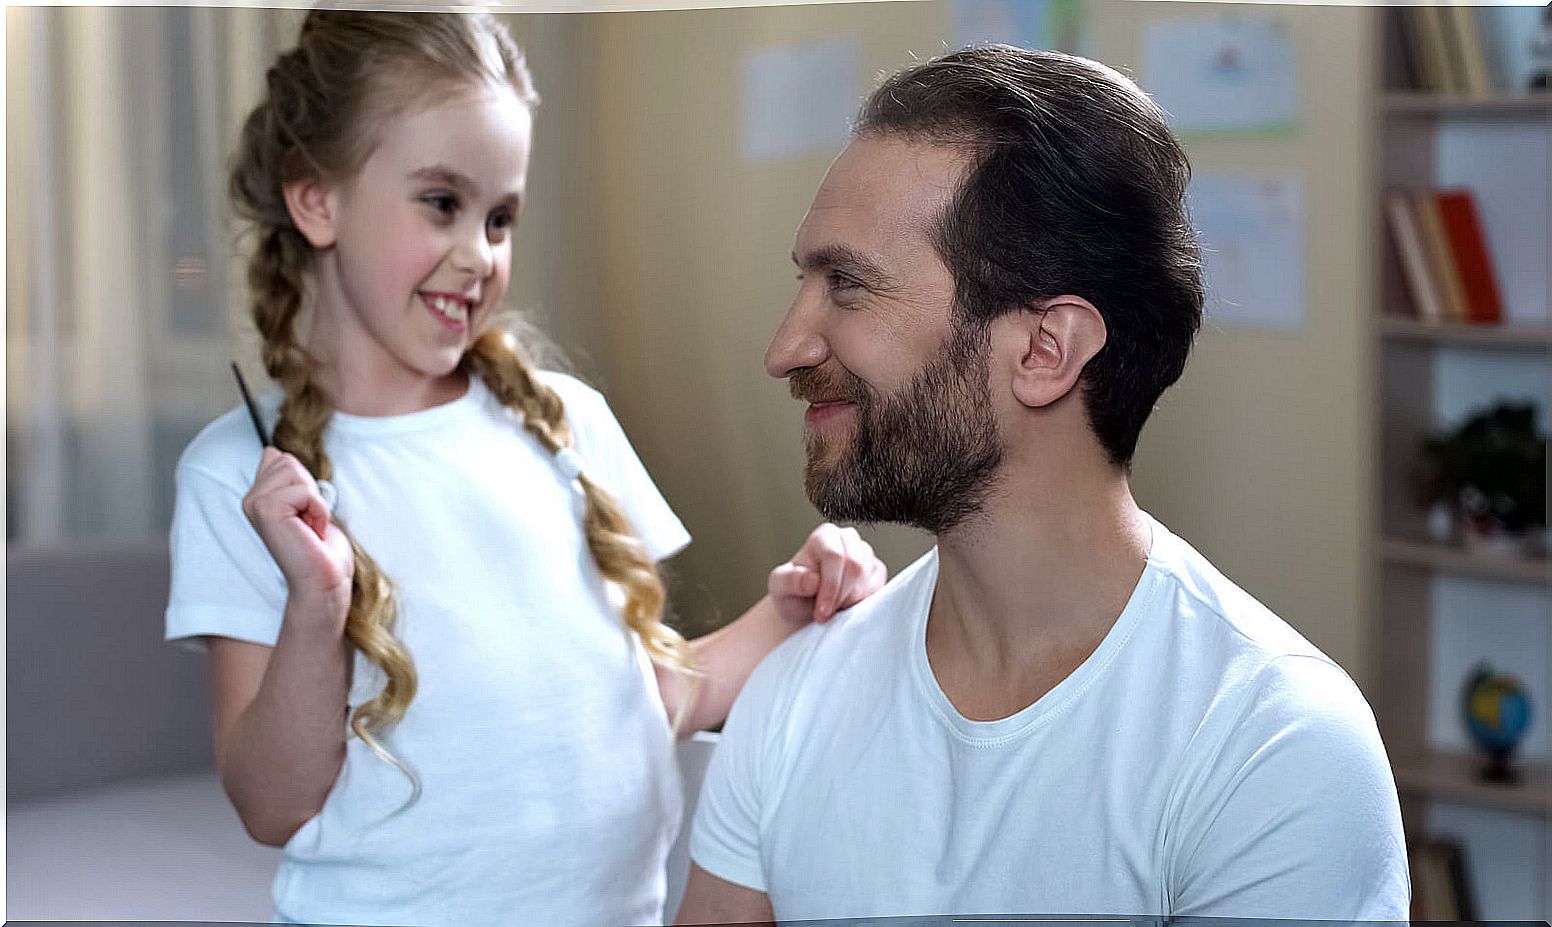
(1232, 74)
(1251, 230)
(799, 99)
(1049, 24)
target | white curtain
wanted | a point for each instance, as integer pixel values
(123, 285)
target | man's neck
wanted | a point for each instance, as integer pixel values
(1028, 589)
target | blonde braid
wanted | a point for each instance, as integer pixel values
(276, 283)
(619, 554)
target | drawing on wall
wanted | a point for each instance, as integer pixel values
(1228, 74)
(800, 99)
(1251, 230)
(1051, 24)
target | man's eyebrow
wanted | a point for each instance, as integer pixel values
(845, 260)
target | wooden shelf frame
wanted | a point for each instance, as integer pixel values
(1448, 558)
(1509, 335)
(1456, 777)
(1462, 106)
(1406, 353)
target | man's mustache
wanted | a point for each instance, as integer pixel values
(813, 384)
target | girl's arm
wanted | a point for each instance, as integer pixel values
(280, 723)
(280, 711)
(833, 570)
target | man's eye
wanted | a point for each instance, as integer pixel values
(842, 282)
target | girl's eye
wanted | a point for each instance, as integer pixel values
(444, 203)
(498, 226)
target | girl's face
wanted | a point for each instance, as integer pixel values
(422, 245)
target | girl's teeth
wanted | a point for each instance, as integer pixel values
(452, 308)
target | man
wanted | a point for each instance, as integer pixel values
(1062, 709)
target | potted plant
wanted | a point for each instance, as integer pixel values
(1490, 472)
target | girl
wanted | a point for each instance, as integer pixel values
(511, 759)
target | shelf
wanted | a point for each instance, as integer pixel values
(1455, 777)
(1458, 560)
(1515, 335)
(1460, 106)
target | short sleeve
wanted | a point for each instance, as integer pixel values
(224, 581)
(610, 459)
(725, 836)
(1297, 814)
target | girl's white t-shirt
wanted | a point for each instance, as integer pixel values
(549, 793)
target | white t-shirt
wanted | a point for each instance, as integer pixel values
(549, 790)
(1205, 760)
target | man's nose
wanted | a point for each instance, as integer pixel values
(799, 341)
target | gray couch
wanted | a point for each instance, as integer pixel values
(93, 694)
(113, 810)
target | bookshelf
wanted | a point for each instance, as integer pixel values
(1419, 139)
(1421, 104)
(1451, 559)
(1511, 336)
(1453, 776)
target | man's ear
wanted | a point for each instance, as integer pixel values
(313, 205)
(1058, 337)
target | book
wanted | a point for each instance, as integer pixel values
(1425, 298)
(1436, 246)
(1470, 54)
(1441, 888)
(1404, 67)
(1473, 262)
(1433, 49)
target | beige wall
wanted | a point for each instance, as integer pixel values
(1258, 457)
(554, 273)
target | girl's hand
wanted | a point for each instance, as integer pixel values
(834, 569)
(286, 509)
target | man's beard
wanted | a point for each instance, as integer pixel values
(924, 455)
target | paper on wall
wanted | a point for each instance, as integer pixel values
(1223, 74)
(1251, 230)
(800, 99)
(1051, 24)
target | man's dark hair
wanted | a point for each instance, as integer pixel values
(1077, 188)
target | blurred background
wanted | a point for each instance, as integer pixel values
(1352, 317)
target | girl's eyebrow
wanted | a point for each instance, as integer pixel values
(460, 182)
(442, 174)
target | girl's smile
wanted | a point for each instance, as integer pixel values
(452, 310)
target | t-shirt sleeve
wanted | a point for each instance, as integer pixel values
(609, 458)
(725, 836)
(1297, 815)
(224, 581)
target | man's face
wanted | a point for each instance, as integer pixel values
(900, 425)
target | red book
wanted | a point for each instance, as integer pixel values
(1473, 262)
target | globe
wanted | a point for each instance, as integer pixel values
(1497, 713)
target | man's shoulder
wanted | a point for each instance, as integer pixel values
(852, 648)
(1256, 668)
(1199, 593)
